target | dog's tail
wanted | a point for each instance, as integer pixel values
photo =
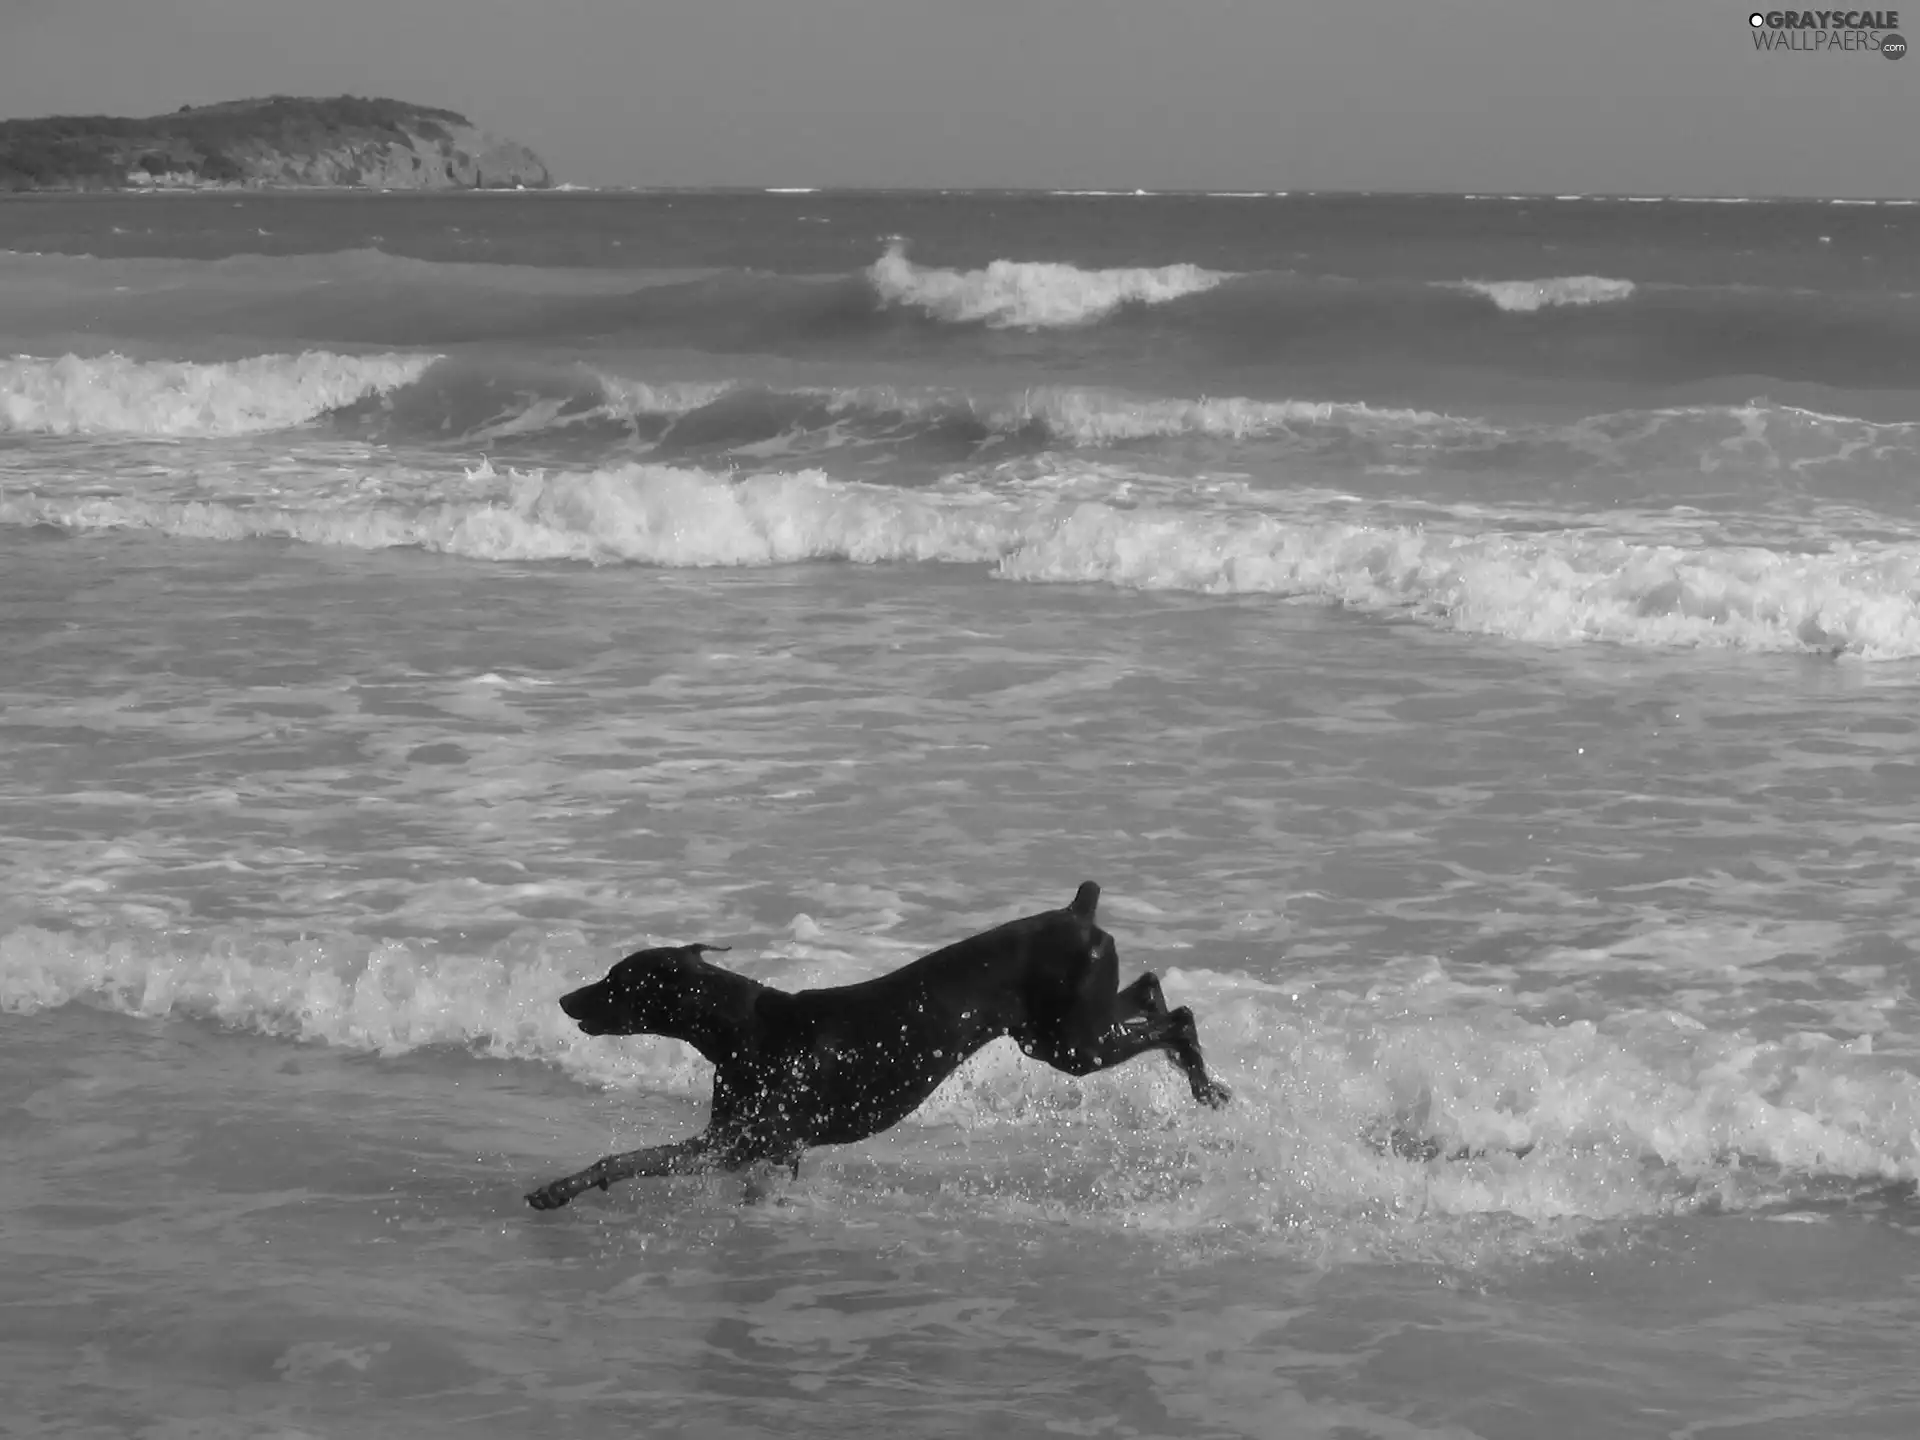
(1085, 899)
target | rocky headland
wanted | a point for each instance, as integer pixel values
(283, 142)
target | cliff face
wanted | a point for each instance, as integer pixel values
(283, 141)
(445, 157)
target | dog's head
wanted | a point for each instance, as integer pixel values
(645, 994)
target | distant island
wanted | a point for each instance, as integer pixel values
(280, 142)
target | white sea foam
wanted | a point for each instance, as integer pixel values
(1030, 295)
(638, 397)
(1083, 416)
(1650, 1113)
(1100, 417)
(113, 395)
(650, 514)
(1550, 587)
(1091, 416)
(620, 399)
(1525, 296)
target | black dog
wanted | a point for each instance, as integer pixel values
(829, 1067)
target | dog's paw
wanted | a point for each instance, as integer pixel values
(550, 1197)
(1213, 1094)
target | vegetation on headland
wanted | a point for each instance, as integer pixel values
(281, 140)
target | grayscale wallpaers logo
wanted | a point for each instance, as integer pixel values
(1864, 32)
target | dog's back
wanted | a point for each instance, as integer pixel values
(859, 1058)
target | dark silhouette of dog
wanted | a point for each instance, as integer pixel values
(833, 1066)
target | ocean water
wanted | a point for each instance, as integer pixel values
(1474, 642)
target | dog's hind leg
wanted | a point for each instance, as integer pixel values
(1183, 1047)
(1092, 1036)
(1142, 1007)
(688, 1157)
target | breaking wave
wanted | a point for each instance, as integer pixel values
(1010, 294)
(477, 404)
(1526, 296)
(1643, 1114)
(577, 416)
(423, 397)
(113, 395)
(1188, 318)
(1552, 587)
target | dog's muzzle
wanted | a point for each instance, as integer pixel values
(580, 1006)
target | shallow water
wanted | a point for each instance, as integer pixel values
(221, 1244)
(1521, 783)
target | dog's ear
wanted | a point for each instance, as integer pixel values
(698, 947)
(1085, 899)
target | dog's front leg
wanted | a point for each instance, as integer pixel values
(760, 1182)
(685, 1158)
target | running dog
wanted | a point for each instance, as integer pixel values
(833, 1066)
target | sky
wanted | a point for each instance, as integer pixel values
(1625, 96)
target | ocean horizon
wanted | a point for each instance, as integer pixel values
(572, 187)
